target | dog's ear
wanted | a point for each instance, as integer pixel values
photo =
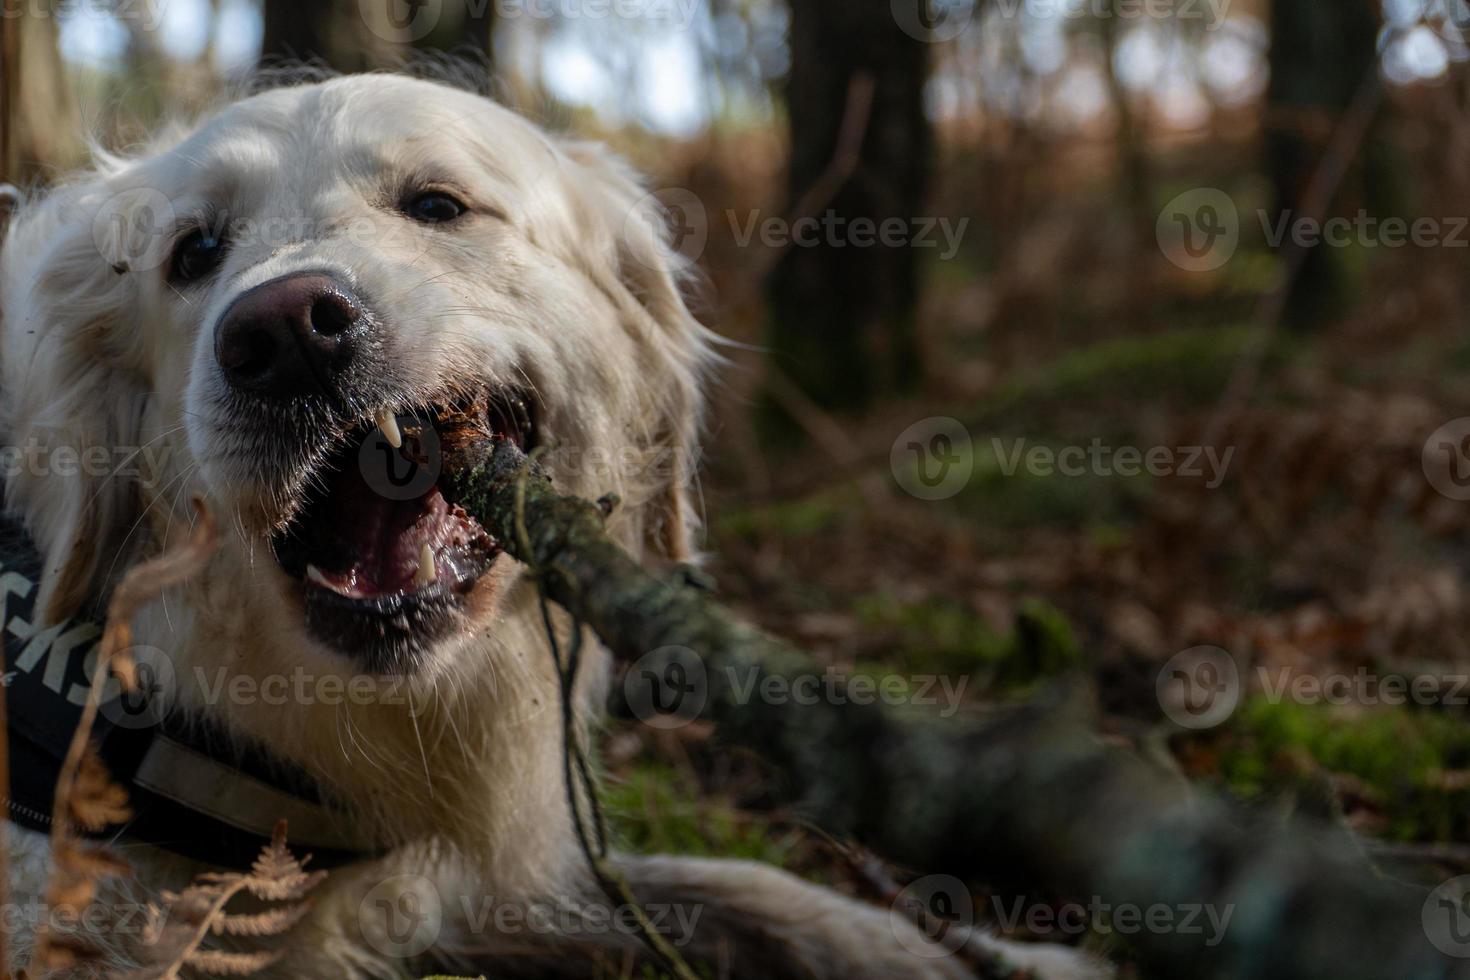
(630, 236)
(72, 409)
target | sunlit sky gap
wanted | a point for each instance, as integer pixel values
(655, 74)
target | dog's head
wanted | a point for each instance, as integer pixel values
(260, 311)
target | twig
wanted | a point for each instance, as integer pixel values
(5, 790)
(143, 583)
(577, 772)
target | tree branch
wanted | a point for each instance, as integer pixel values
(1030, 798)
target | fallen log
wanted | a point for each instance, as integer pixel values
(1029, 799)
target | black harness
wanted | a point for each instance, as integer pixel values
(192, 789)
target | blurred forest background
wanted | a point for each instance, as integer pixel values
(1113, 175)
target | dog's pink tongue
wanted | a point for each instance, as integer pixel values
(367, 545)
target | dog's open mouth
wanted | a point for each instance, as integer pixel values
(383, 560)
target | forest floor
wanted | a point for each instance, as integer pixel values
(1311, 547)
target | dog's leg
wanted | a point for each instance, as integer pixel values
(766, 922)
(744, 919)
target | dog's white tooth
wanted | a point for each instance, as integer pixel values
(426, 571)
(388, 422)
(315, 576)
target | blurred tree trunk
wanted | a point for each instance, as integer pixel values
(465, 28)
(843, 317)
(1133, 162)
(360, 35)
(1322, 53)
(41, 125)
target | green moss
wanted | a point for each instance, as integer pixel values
(790, 519)
(1194, 363)
(1002, 493)
(652, 811)
(1397, 752)
(944, 636)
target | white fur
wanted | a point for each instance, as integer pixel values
(558, 283)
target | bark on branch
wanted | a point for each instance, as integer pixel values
(1030, 800)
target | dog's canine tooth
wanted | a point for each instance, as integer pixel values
(315, 576)
(426, 572)
(388, 422)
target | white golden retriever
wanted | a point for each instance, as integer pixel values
(257, 305)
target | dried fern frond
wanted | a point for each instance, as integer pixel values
(86, 795)
(96, 801)
(271, 923)
(178, 928)
(226, 964)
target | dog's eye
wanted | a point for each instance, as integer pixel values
(196, 256)
(433, 207)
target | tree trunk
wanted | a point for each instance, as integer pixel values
(1322, 53)
(40, 126)
(360, 35)
(842, 315)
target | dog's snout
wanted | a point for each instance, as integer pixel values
(291, 337)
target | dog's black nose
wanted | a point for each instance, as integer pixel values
(291, 337)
